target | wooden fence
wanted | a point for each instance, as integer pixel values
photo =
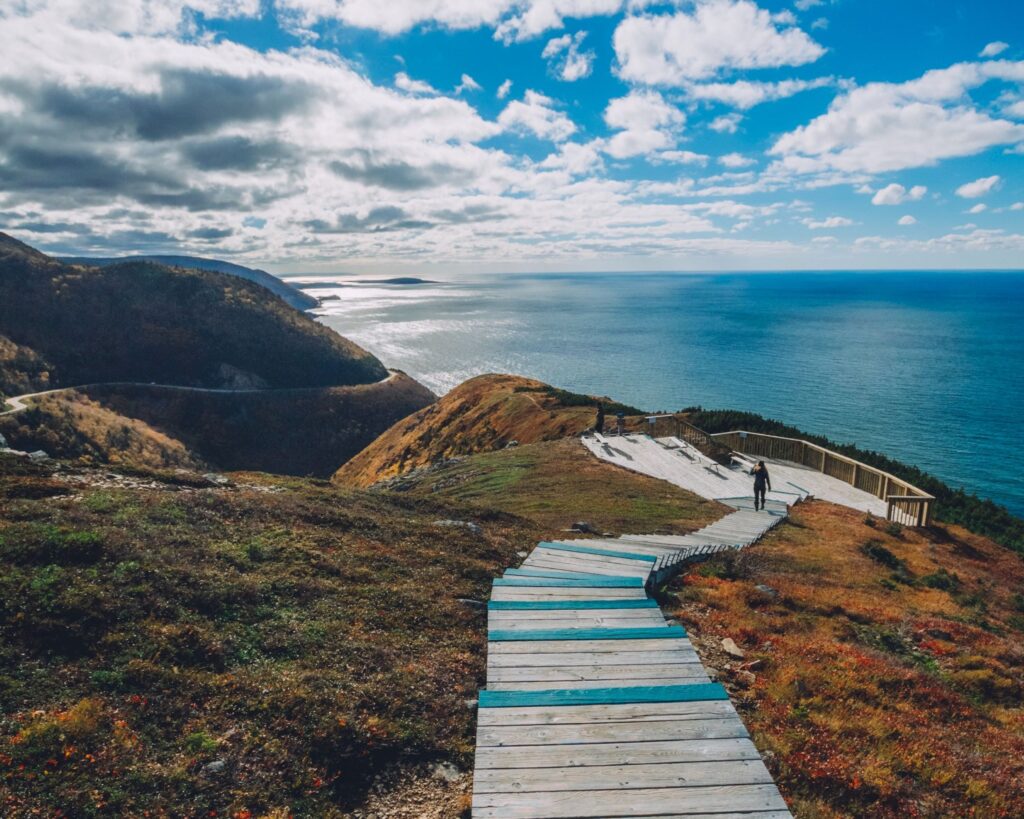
(664, 426)
(907, 504)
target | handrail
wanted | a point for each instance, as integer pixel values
(659, 425)
(913, 507)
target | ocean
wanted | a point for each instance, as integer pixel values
(927, 367)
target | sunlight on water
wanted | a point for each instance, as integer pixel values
(925, 367)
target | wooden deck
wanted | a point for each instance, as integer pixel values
(595, 705)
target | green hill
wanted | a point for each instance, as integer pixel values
(145, 322)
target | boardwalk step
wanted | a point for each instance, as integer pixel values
(643, 633)
(603, 696)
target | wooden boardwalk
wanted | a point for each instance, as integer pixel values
(597, 707)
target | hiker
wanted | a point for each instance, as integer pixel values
(620, 423)
(599, 423)
(761, 482)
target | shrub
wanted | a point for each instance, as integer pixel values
(941, 580)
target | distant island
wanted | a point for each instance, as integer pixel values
(399, 280)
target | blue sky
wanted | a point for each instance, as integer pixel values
(517, 135)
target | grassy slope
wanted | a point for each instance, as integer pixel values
(889, 671)
(308, 636)
(146, 322)
(73, 426)
(556, 483)
(482, 414)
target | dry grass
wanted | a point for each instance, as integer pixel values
(889, 672)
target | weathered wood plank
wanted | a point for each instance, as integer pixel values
(646, 802)
(638, 633)
(577, 622)
(611, 554)
(566, 594)
(553, 605)
(567, 674)
(609, 695)
(570, 582)
(614, 753)
(498, 686)
(625, 712)
(568, 646)
(632, 658)
(622, 777)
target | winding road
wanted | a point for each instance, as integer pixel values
(18, 403)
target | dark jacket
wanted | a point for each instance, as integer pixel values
(761, 478)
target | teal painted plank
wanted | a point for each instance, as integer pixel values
(587, 550)
(603, 696)
(569, 582)
(553, 573)
(648, 633)
(558, 605)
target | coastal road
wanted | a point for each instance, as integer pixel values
(19, 403)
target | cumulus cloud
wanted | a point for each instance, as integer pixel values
(503, 89)
(906, 221)
(726, 124)
(828, 223)
(537, 114)
(718, 35)
(978, 188)
(567, 61)
(735, 160)
(896, 194)
(981, 207)
(746, 94)
(404, 82)
(891, 126)
(466, 83)
(645, 123)
(994, 49)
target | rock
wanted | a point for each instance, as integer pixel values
(461, 524)
(729, 647)
(522, 554)
(217, 480)
(470, 703)
(215, 767)
(511, 444)
(476, 605)
(582, 526)
(754, 665)
(745, 678)
(767, 590)
(38, 456)
(447, 772)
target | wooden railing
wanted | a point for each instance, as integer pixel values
(664, 426)
(906, 504)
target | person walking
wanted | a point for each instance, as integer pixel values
(762, 482)
(599, 423)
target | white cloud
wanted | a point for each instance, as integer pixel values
(680, 157)
(804, 5)
(827, 224)
(567, 62)
(735, 160)
(719, 35)
(1017, 206)
(503, 89)
(994, 49)
(726, 124)
(981, 207)
(646, 123)
(907, 220)
(404, 82)
(819, 24)
(896, 194)
(466, 83)
(746, 94)
(978, 188)
(536, 113)
(891, 126)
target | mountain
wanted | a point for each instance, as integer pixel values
(295, 297)
(146, 322)
(485, 413)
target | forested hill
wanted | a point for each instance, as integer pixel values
(142, 321)
(295, 297)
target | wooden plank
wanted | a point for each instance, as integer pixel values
(660, 731)
(506, 593)
(629, 658)
(756, 814)
(628, 802)
(622, 777)
(609, 554)
(553, 623)
(601, 696)
(566, 646)
(569, 582)
(639, 681)
(589, 673)
(545, 573)
(639, 633)
(613, 753)
(623, 712)
(557, 605)
(547, 561)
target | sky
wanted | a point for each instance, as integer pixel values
(489, 136)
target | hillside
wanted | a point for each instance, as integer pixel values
(291, 295)
(484, 413)
(271, 648)
(146, 322)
